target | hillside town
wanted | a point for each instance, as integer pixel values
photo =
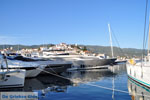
(58, 49)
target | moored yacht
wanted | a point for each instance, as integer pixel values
(140, 71)
(36, 66)
(55, 66)
(32, 69)
(89, 62)
(10, 78)
(16, 61)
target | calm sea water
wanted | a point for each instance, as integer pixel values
(88, 85)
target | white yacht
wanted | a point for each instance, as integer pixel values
(33, 69)
(10, 78)
(140, 71)
(36, 66)
(55, 66)
(31, 66)
(88, 62)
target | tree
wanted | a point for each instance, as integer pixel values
(84, 48)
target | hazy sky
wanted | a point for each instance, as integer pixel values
(72, 21)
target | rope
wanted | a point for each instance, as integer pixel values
(52, 70)
(53, 74)
(89, 84)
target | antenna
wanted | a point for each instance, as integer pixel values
(110, 35)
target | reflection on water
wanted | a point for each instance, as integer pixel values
(46, 81)
(54, 88)
(137, 91)
(118, 69)
(88, 76)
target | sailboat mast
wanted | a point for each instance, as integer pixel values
(110, 35)
(148, 38)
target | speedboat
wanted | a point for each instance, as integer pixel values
(10, 78)
(30, 65)
(33, 69)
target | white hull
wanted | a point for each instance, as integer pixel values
(33, 69)
(137, 91)
(80, 62)
(139, 74)
(12, 79)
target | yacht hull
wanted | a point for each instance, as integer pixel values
(92, 63)
(56, 68)
(137, 91)
(139, 74)
(31, 72)
(12, 79)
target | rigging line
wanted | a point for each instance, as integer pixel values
(117, 48)
(115, 37)
(146, 37)
(145, 29)
(117, 41)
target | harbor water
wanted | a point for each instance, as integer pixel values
(96, 84)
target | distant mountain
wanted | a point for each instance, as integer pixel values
(19, 47)
(131, 52)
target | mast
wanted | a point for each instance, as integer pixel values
(148, 38)
(110, 35)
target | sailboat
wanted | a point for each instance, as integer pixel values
(117, 61)
(140, 71)
(110, 35)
